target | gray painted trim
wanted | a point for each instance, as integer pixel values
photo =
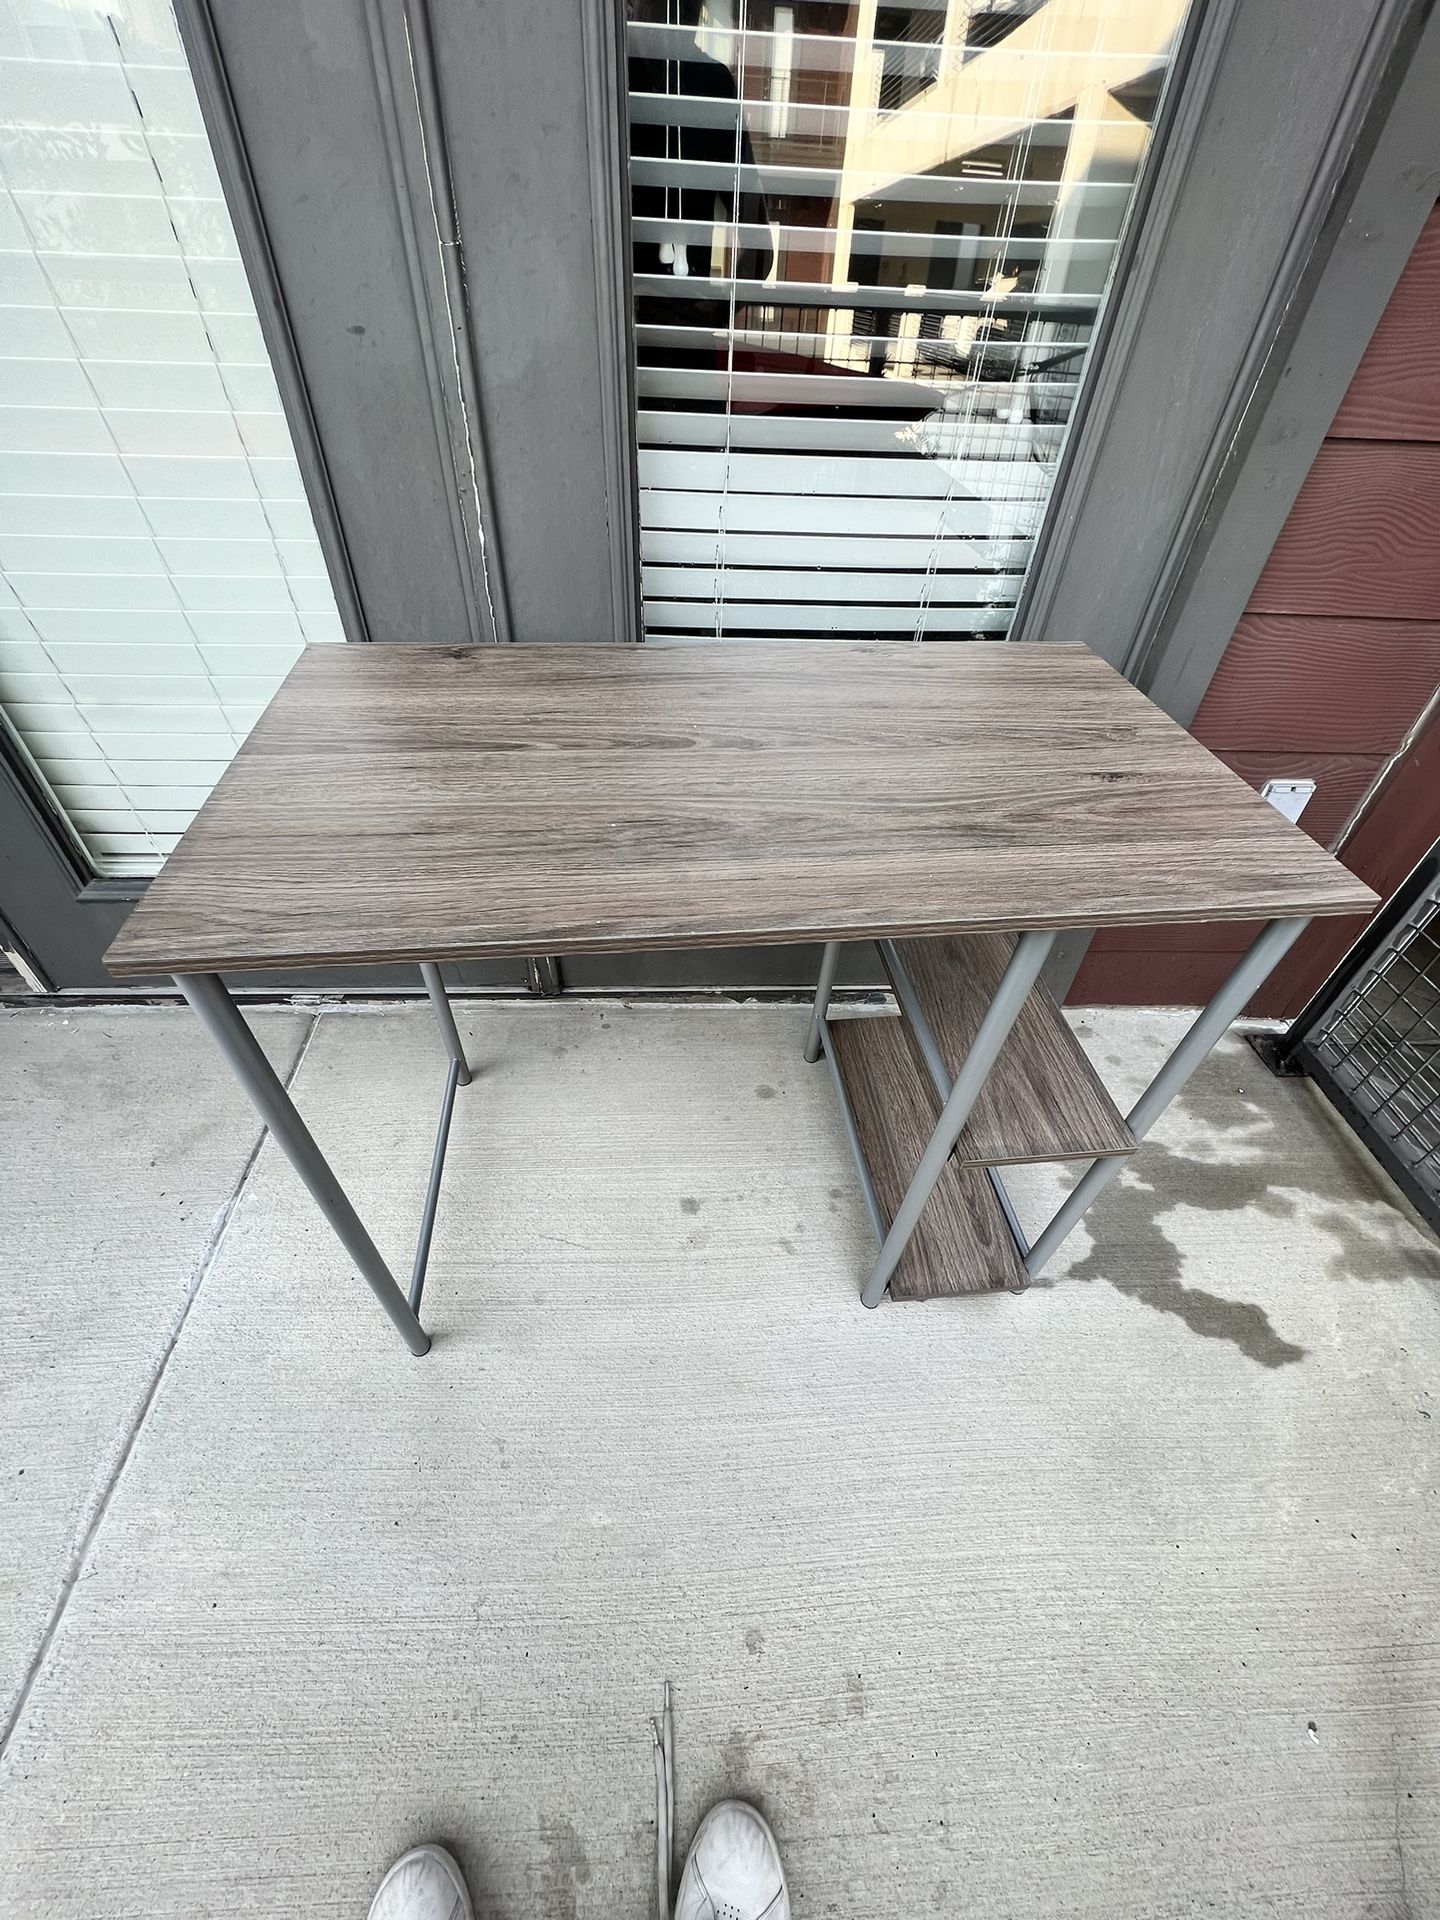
(1262, 129)
(1385, 178)
(1296, 274)
(36, 802)
(533, 149)
(41, 886)
(423, 292)
(23, 960)
(307, 99)
(484, 551)
(217, 104)
(603, 28)
(115, 887)
(1177, 141)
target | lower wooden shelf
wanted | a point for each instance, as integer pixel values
(1042, 1099)
(962, 1244)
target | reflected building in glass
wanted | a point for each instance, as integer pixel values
(871, 244)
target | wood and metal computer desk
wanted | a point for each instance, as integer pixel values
(957, 805)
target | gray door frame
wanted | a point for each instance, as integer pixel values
(430, 201)
(434, 205)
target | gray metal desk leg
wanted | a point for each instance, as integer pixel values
(1264, 953)
(1031, 951)
(829, 960)
(440, 1000)
(226, 1026)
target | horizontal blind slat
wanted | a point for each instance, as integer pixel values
(816, 346)
(835, 388)
(828, 49)
(698, 616)
(938, 435)
(893, 243)
(900, 589)
(705, 110)
(848, 295)
(672, 546)
(854, 475)
(773, 181)
(663, 508)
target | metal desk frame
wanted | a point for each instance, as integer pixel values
(230, 1031)
(958, 1096)
(227, 1026)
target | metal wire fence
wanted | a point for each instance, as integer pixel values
(1376, 1050)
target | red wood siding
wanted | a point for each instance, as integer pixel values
(1395, 834)
(1322, 685)
(1360, 540)
(1336, 657)
(1341, 780)
(1395, 394)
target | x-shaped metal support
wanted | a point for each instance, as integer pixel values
(958, 1095)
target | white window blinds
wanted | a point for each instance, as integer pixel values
(870, 247)
(159, 571)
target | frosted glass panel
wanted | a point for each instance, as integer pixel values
(871, 244)
(159, 571)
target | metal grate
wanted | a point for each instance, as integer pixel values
(1376, 1050)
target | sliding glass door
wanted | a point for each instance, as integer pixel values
(871, 247)
(160, 567)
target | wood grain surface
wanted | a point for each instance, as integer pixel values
(1360, 539)
(1042, 1099)
(1312, 684)
(399, 803)
(961, 1243)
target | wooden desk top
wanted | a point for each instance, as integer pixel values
(400, 803)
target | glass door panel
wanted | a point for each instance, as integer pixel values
(871, 243)
(159, 571)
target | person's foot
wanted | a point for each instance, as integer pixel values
(424, 1884)
(733, 1871)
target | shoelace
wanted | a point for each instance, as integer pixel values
(662, 1731)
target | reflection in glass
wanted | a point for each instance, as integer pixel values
(870, 246)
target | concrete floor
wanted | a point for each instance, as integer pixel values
(1117, 1598)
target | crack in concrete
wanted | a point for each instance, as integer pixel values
(214, 1240)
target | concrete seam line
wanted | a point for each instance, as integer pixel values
(219, 1227)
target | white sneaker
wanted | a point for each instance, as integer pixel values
(424, 1884)
(733, 1869)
